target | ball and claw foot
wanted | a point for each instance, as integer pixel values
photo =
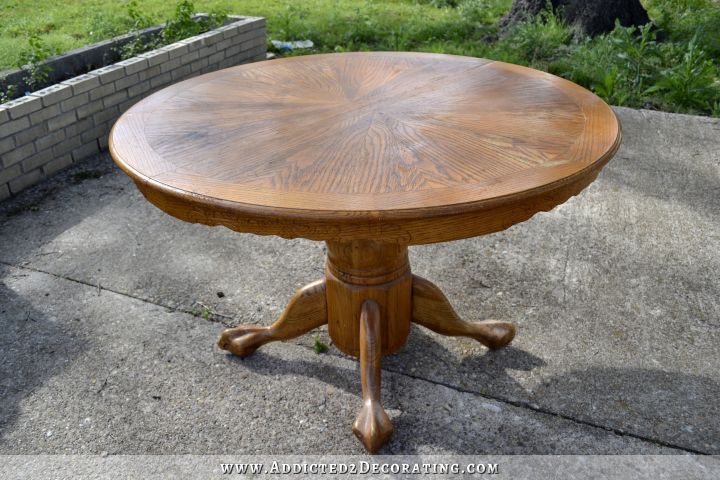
(372, 425)
(306, 311)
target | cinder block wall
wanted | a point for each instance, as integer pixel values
(63, 124)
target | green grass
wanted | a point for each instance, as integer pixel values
(625, 68)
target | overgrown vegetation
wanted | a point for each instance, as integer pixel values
(631, 67)
(181, 25)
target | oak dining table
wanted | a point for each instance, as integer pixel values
(370, 152)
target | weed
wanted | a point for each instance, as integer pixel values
(715, 109)
(31, 62)
(183, 25)
(640, 53)
(201, 310)
(8, 94)
(291, 22)
(535, 42)
(610, 89)
(31, 207)
(320, 346)
(86, 175)
(684, 20)
(485, 12)
(690, 85)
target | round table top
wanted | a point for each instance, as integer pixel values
(403, 147)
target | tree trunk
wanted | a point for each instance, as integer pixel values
(588, 17)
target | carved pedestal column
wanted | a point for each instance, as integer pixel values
(364, 270)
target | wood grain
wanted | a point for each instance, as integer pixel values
(372, 425)
(370, 152)
(432, 310)
(363, 270)
(306, 311)
(402, 147)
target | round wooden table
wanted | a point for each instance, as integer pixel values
(371, 153)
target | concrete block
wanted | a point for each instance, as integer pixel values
(226, 63)
(88, 109)
(252, 43)
(181, 73)
(134, 65)
(216, 57)
(62, 120)
(198, 65)
(124, 106)
(84, 151)
(83, 83)
(161, 80)
(57, 164)
(229, 31)
(109, 74)
(66, 146)
(30, 134)
(234, 50)
(102, 91)
(26, 180)
(95, 132)
(193, 43)
(47, 141)
(18, 154)
(248, 36)
(45, 113)
(139, 89)
(37, 160)
(7, 174)
(54, 94)
(4, 115)
(4, 192)
(149, 73)
(7, 144)
(155, 57)
(207, 38)
(171, 64)
(103, 142)
(205, 52)
(75, 101)
(106, 114)
(224, 44)
(126, 81)
(22, 106)
(115, 98)
(14, 126)
(175, 50)
(78, 127)
(190, 57)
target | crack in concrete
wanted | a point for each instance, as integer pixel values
(498, 398)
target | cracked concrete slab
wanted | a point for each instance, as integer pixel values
(87, 373)
(614, 292)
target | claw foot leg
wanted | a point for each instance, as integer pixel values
(306, 311)
(372, 425)
(431, 309)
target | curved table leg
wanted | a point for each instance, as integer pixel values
(306, 310)
(431, 309)
(372, 425)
